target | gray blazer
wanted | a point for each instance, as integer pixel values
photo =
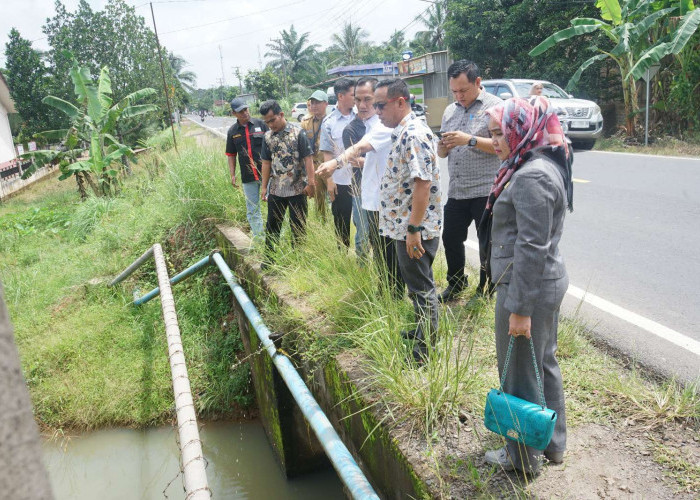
(528, 219)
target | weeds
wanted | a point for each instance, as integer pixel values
(90, 359)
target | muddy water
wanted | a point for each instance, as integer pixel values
(119, 464)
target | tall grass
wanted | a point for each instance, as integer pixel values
(89, 357)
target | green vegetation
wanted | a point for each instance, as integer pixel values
(92, 123)
(667, 146)
(346, 298)
(640, 33)
(90, 358)
(116, 37)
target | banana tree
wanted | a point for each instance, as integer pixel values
(91, 150)
(631, 46)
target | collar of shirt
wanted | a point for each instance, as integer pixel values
(403, 124)
(237, 125)
(287, 128)
(479, 98)
(371, 121)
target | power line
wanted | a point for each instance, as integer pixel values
(232, 18)
(244, 34)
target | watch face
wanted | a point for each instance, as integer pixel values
(472, 141)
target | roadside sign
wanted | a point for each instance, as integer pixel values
(32, 146)
(650, 72)
(20, 149)
(388, 68)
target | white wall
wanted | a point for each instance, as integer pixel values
(7, 148)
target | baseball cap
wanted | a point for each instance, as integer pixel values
(319, 95)
(238, 104)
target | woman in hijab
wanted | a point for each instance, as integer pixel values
(527, 203)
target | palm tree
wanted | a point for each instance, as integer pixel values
(434, 20)
(350, 44)
(394, 47)
(291, 54)
(187, 79)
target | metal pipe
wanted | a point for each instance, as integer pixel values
(135, 265)
(343, 462)
(173, 281)
(193, 463)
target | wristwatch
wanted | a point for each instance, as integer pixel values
(472, 142)
(414, 229)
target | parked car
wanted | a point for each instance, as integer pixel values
(299, 111)
(582, 118)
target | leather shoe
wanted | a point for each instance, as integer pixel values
(452, 290)
(556, 457)
(502, 458)
(408, 334)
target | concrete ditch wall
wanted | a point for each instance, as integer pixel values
(330, 380)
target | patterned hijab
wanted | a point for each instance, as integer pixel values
(528, 125)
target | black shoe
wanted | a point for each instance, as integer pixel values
(485, 290)
(420, 354)
(408, 334)
(452, 291)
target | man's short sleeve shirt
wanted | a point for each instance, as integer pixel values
(379, 138)
(332, 142)
(312, 127)
(286, 151)
(245, 142)
(413, 155)
(471, 170)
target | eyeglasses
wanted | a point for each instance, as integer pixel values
(379, 106)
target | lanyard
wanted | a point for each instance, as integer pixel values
(250, 152)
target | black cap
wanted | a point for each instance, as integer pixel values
(238, 104)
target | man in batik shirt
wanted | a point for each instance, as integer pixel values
(410, 209)
(287, 176)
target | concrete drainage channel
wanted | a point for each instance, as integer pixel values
(192, 459)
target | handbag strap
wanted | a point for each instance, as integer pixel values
(543, 403)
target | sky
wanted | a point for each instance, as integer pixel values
(205, 31)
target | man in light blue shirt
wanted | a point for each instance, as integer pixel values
(332, 145)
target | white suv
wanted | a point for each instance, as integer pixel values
(582, 118)
(299, 111)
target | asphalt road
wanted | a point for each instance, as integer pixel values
(632, 246)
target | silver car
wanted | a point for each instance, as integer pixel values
(582, 118)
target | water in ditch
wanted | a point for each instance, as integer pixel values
(123, 464)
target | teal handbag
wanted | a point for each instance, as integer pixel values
(528, 423)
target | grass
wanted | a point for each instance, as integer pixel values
(90, 358)
(665, 146)
(345, 296)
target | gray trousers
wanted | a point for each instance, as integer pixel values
(521, 380)
(418, 276)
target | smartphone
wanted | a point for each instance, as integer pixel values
(439, 134)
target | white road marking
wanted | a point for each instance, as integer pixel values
(645, 155)
(650, 326)
(582, 181)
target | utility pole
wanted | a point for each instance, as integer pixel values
(220, 81)
(165, 85)
(221, 58)
(237, 72)
(259, 58)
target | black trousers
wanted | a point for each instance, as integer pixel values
(385, 258)
(458, 215)
(341, 208)
(276, 209)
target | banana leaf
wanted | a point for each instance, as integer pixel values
(610, 10)
(64, 106)
(562, 35)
